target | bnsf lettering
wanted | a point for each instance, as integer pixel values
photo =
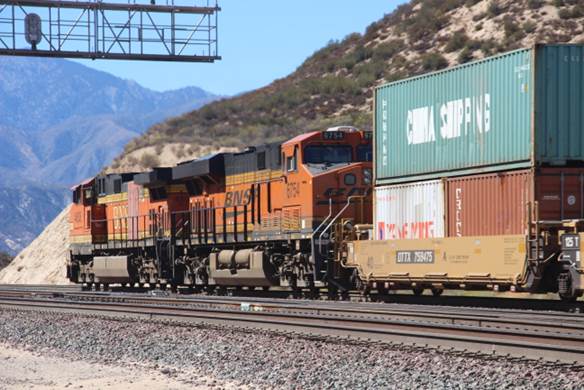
(471, 115)
(292, 190)
(237, 198)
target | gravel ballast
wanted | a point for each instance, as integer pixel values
(261, 360)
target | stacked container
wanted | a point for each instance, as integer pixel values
(465, 151)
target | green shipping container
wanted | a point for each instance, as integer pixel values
(516, 110)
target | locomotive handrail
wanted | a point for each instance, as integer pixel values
(349, 199)
(321, 225)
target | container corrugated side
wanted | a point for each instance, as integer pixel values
(496, 204)
(474, 115)
(409, 211)
(485, 205)
(521, 109)
(560, 103)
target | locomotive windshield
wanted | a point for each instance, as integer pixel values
(328, 154)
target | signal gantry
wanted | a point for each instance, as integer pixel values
(135, 30)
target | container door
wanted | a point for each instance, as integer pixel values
(410, 211)
(560, 194)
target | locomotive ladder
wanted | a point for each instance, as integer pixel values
(324, 254)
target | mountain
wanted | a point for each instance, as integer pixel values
(61, 122)
(52, 112)
(334, 86)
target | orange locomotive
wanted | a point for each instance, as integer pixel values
(259, 218)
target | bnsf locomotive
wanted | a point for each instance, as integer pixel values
(260, 218)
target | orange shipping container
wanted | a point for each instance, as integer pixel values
(496, 204)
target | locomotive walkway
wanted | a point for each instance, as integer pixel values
(523, 334)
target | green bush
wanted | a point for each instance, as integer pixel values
(5, 259)
(488, 47)
(387, 50)
(457, 41)
(494, 9)
(565, 13)
(433, 61)
(149, 160)
(534, 4)
(529, 27)
(465, 56)
(479, 16)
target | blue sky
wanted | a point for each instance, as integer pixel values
(260, 41)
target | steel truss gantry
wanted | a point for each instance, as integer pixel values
(93, 29)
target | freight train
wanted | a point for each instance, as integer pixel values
(473, 178)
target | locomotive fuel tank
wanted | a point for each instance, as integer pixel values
(245, 267)
(111, 269)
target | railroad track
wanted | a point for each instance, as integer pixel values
(522, 334)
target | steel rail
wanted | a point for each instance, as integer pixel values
(527, 343)
(554, 322)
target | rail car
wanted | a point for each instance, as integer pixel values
(260, 218)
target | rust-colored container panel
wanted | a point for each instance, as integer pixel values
(492, 204)
(496, 204)
(560, 193)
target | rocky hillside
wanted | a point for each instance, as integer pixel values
(44, 260)
(334, 86)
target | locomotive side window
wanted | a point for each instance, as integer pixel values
(261, 161)
(292, 161)
(364, 153)
(101, 191)
(328, 154)
(76, 196)
(117, 186)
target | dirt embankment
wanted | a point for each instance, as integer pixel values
(44, 260)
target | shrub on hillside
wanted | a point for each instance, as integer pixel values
(465, 56)
(149, 160)
(494, 9)
(535, 4)
(5, 259)
(433, 61)
(457, 41)
(387, 50)
(529, 27)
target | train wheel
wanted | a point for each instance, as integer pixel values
(333, 293)
(345, 295)
(566, 290)
(418, 291)
(437, 291)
